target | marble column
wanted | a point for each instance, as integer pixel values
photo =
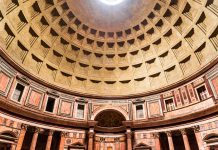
(129, 139)
(117, 143)
(102, 143)
(185, 139)
(170, 140)
(21, 136)
(157, 141)
(34, 139)
(13, 146)
(49, 140)
(198, 137)
(62, 141)
(91, 140)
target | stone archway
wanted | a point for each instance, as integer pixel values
(104, 108)
(76, 146)
(110, 133)
(110, 118)
(142, 146)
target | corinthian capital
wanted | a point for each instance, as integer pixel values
(24, 126)
(196, 129)
(169, 133)
(156, 135)
(183, 131)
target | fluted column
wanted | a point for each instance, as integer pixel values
(185, 139)
(170, 140)
(198, 137)
(157, 141)
(34, 139)
(21, 136)
(129, 139)
(102, 144)
(117, 143)
(62, 141)
(91, 139)
(49, 140)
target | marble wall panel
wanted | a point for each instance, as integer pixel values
(154, 109)
(65, 107)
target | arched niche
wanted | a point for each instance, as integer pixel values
(142, 146)
(76, 146)
(104, 108)
(110, 118)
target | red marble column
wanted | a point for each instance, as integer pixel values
(12, 147)
(62, 141)
(91, 140)
(157, 141)
(198, 137)
(49, 140)
(21, 136)
(185, 139)
(170, 140)
(97, 145)
(117, 143)
(102, 143)
(34, 139)
(129, 139)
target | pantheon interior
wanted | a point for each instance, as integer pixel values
(108, 74)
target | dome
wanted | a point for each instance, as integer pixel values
(89, 47)
(108, 74)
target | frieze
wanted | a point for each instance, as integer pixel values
(38, 86)
(53, 93)
(66, 96)
(152, 97)
(4, 66)
(81, 100)
(23, 79)
(212, 72)
(198, 81)
(167, 94)
(138, 101)
(110, 101)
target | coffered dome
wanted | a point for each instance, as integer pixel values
(89, 47)
(111, 18)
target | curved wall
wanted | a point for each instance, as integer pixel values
(192, 104)
(187, 99)
(175, 40)
(51, 78)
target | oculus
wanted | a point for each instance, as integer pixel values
(111, 2)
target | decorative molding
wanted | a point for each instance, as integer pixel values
(183, 131)
(169, 133)
(138, 101)
(23, 79)
(156, 135)
(24, 127)
(196, 129)
(53, 93)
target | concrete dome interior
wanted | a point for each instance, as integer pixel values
(88, 47)
(108, 74)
